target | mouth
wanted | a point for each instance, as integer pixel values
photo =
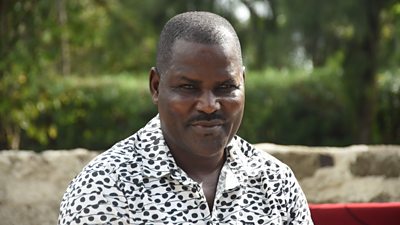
(207, 126)
(207, 123)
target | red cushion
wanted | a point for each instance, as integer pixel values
(356, 213)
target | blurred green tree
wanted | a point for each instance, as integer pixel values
(354, 29)
(42, 38)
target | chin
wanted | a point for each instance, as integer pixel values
(211, 147)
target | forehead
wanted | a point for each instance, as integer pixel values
(227, 48)
(187, 55)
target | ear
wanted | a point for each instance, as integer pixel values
(154, 82)
(244, 73)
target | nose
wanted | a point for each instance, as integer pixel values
(208, 103)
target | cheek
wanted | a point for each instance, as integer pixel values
(235, 104)
(175, 106)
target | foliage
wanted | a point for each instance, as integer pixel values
(387, 125)
(282, 106)
(296, 107)
(346, 52)
(78, 111)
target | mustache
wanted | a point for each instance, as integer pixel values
(206, 117)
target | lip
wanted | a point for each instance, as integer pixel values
(207, 127)
(208, 123)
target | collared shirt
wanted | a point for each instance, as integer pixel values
(138, 182)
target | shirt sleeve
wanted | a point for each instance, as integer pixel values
(298, 210)
(93, 197)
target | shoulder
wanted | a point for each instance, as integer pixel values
(120, 164)
(259, 159)
(120, 153)
(100, 192)
(275, 180)
(107, 166)
(99, 188)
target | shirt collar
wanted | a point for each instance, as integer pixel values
(239, 158)
(156, 158)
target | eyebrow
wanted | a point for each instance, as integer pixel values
(184, 78)
(230, 80)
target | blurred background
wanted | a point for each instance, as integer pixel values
(319, 73)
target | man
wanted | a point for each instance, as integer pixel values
(186, 166)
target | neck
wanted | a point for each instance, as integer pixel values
(203, 170)
(199, 168)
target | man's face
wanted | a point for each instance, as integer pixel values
(200, 98)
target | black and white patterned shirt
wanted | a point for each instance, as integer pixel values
(138, 182)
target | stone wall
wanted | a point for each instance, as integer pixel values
(32, 184)
(353, 174)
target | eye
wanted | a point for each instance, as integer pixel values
(228, 87)
(187, 87)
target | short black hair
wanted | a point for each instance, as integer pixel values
(199, 27)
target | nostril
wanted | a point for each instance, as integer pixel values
(208, 103)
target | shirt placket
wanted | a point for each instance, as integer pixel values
(229, 191)
(196, 190)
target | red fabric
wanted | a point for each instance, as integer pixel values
(356, 214)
